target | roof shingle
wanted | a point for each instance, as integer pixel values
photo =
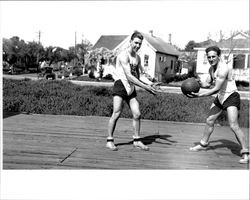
(109, 41)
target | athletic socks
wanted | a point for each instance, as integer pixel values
(110, 144)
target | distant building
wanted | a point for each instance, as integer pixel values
(157, 56)
(235, 51)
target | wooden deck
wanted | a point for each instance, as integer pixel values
(32, 141)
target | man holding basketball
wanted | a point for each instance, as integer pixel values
(126, 76)
(227, 98)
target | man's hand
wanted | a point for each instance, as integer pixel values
(150, 89)
(192, 95)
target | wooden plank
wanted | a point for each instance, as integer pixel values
(75, 142)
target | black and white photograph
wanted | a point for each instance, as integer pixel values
(125, 100)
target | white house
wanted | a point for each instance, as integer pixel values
(235, 51)
(157, 56)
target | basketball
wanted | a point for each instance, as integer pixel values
(190, 85)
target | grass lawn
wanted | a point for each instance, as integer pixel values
(65, 98)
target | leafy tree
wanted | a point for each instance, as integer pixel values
(191, 45)
(14, 49)
(19, 54)
(35, 52)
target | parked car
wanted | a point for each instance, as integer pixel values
(47, 72)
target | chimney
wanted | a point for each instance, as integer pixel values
(169, 38)
(151, 33)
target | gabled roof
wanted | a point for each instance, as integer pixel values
(109, 41)
(112, 41)
(160, 45)
(208, 42)
(239, 40)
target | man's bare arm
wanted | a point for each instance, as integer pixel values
(126, 67)
(218, 84)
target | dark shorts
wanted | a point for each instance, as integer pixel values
(119, 90)
(232, 100)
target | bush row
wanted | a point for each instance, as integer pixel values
(65, 98)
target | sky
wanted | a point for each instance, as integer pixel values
(60, 21)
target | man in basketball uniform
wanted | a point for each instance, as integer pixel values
(227, 99)
(126, 76)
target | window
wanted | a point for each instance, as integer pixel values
(172, 64)
(239, 61)
(205, 58)
(146, 58)
(248, 61)
(165, 59)
(161, 58)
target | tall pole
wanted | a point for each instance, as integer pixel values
(39, 42)
(39, 37)
(75, 49)
(75, 42)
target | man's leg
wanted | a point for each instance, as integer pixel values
(232, 113)
(134, 106)
(117, 108)
(214, 113)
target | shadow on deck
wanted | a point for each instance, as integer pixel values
(32, 141)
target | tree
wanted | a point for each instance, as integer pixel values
(34, 53)
(19, 54)
(191, 45)
(14, 49)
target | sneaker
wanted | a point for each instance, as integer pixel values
(110, 144)
(199, 147)
(244, 159)
(140, 145)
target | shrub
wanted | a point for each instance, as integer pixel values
(242, 84)
(167, 78)
(77, 71)
(63, 97)
(108, 77)
(91, 74)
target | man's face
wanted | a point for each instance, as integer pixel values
(213, 58)
(136, 44)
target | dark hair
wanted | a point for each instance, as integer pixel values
(213, 48)
(136, 34)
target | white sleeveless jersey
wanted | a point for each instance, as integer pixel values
(119, 73)
(229, 85)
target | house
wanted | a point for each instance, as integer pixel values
(187, 62)
(109, 41)
(157, 56)
(235, 52)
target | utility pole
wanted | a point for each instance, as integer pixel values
(39, 37)
(39, 42)
(75, 41)
(75, 49)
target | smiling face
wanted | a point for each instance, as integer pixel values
(213, 58)
(135, 44)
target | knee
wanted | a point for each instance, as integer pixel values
(210, 122)
(137, 116)
(116, 115)
(234, 126)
